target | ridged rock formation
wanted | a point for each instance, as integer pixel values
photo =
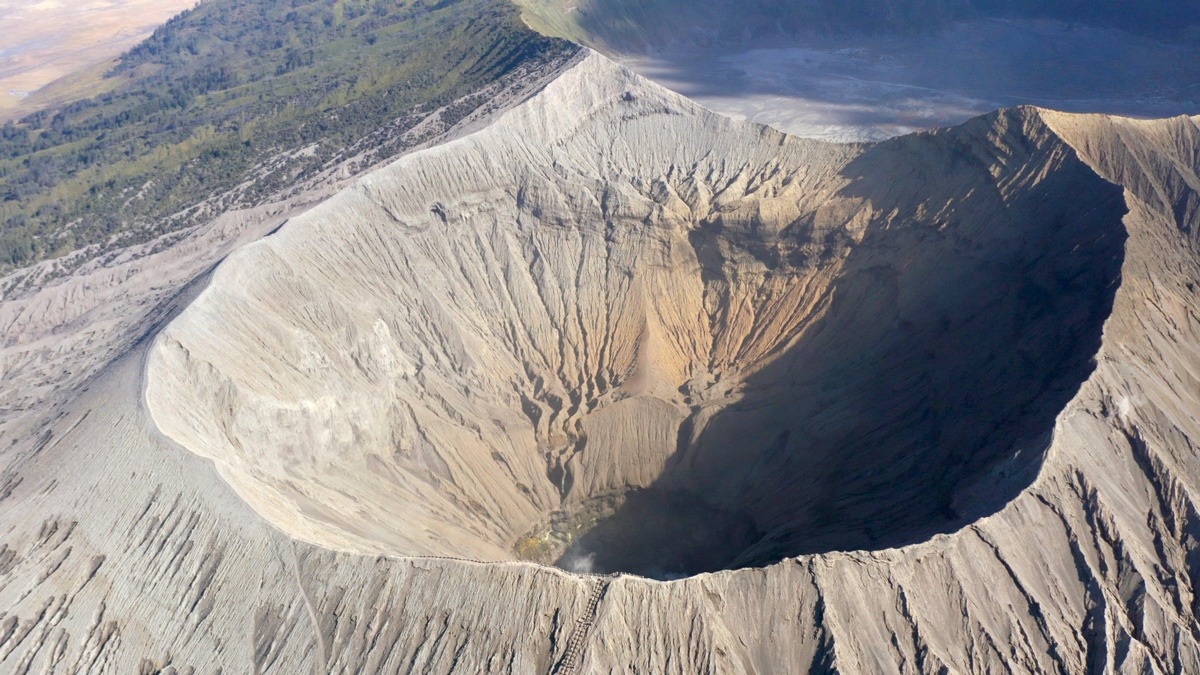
(928, 405)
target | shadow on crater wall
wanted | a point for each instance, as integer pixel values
(925, 396)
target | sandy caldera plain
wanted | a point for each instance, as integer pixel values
(69, 43)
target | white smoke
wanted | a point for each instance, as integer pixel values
(1124, 408)
(581, 564)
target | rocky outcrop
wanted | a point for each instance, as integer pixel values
(934, 401)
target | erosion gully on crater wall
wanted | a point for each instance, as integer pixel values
(922, 400)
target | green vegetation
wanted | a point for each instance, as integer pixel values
(244, 98)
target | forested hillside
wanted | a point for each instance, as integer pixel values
(242, 98)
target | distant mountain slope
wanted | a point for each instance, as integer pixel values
(238, 99)
(641, 25)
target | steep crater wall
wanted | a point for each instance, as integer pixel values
(619, 333)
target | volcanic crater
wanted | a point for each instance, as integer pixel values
(616, 332)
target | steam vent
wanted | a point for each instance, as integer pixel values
(669, 345)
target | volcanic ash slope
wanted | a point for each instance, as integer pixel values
(615, 330)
